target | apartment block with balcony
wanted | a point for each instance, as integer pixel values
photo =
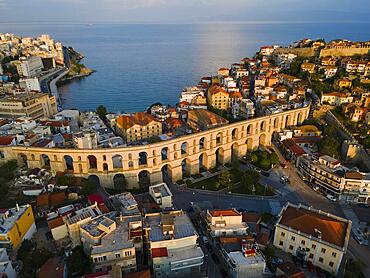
(331, 177)
(112, 243)
(172, 244)
(313, 235)
(34, 105)
(226, 223)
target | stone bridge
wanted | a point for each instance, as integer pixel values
(144, 164)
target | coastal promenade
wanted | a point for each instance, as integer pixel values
(176, 157)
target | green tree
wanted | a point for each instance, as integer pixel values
(329, 146)
(224, 180)
(101, 110)
(354, 269)
(248, 179)
(253, 158)
(274, 158)
(264, 163)
(88, 188)
(78, 263)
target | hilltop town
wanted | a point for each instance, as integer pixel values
(261, 169)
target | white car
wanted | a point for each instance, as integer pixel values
(331, 198)
(316, 188)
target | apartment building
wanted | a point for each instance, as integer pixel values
(34, 105)
(111, 243)
(172, 244)
(218, 98)
(336, 98)
(16, 225)
(225, 223)
(328, 175)
(161, 195)
(29, 67)
(313, 235)
(138, 126)
(78, 218)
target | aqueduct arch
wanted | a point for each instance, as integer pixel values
(199, 150)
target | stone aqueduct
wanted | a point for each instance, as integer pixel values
(175, 157)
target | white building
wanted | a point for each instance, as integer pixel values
(30, 66)
(161, 195)
(172, 242)
(226, 222)
(6, 267)
(30, 84)
(125, 203)
(246, 265)
(189, 93)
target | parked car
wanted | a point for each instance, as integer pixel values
(316, 188)
(331, 198)
(266, 174)
(276, 260)
(363, 205)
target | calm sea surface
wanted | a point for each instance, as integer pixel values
(140, 64)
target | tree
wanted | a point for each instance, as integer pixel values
(78, 263)
(101, 110)
(249, 178)
(274, 158)
(88, 188)
(253, 158)
(329, 146)
(224, 180)
(264, 163)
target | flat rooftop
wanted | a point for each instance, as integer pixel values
(10, 217)
(239, 259)
(161, 189)
(88, 212)
(183, 227)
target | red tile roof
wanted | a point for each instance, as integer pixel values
(6, 140)
(95, 198)
(141, 274)
(159, 252)
(291, 145)
(54, 267)
(224, 212)
(140, 118)
(290, 270)
(332, 230)
(57, 198)
(56, 222)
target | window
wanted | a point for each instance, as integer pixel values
(303, 242)
(293, 238)
(281, 243)
(331, 264)
(321, 260)
(104, 258)
(282, 234)
(334, 255)
(127, 253)
(109, 267)
(313, 246)
(118, 255)
(291, 247)
(323, 250)
(310, 256)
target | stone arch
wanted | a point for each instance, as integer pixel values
(184, 148)
(45, 161)
(143, 158)
(80, 168)
(300, 118)
(117, 161)
(219, 138)
(55, 157)
(144, 178)
(202, 143)
(203, 162)
(234, 134)
(263, 126)
(166, 172)
(119, 182)
(68, 161)
(275, 123)
(94, 179)
(185, 167)
(235, 152)
(104, 157)
(287, 121)
(263, 140)
(105, 167)
(219, 156)
(164, 153)
(22, 160)
(93, 163)
(250, 129)
(249, 144)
